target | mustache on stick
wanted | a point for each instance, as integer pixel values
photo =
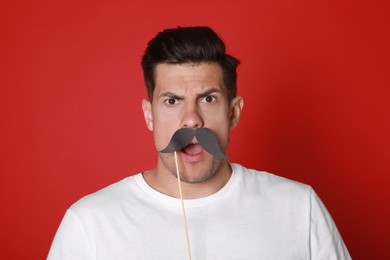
(206, 138)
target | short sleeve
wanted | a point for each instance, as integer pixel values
(70, 241)
(325, 240)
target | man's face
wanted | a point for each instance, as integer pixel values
(193, 96)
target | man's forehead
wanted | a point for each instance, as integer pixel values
(188, 76)
(188, 71)
(188, 65)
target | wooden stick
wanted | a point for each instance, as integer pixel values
(182, 207)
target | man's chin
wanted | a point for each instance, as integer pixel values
(195, 179)
(194, 176)
(193, 173)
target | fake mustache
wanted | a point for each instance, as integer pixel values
(206, 138)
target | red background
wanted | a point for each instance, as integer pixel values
(314, 77)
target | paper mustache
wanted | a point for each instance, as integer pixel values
(206, 138)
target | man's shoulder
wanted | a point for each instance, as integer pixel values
(109, 196)
(269, 183)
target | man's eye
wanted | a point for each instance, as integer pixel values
(208, 99)
(171, 101)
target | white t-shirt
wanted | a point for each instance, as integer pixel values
(256, 215)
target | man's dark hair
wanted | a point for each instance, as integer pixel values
(189, 45)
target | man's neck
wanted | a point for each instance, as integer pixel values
(165, 182)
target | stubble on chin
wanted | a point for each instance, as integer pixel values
(213, 165)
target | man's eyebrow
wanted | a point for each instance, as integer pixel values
(170, 95)
(202, 94)
(210, 91)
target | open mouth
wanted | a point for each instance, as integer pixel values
(193, 149)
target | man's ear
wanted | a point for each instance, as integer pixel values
(148, 115)
(236, 105)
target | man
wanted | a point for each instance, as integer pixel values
(232, 212)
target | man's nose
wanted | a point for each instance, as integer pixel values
(192, 117)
